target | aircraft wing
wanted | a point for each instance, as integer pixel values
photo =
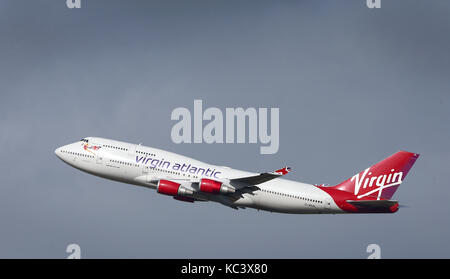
(261, 178)
(249, 180)
(241, 184)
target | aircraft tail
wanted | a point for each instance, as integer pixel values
(381, 180)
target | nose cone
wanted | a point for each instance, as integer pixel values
(58, 152)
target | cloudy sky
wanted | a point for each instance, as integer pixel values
(353, 86)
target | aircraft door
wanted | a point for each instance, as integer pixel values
(145, 170)
(327, 203)
(132, 150)
(99, 159)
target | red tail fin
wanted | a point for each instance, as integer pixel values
(382, 179)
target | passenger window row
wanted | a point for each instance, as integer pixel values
(291, 196)
(145, 153)
(124, 163)
(172, 172)
(115, 147)
(77, 154)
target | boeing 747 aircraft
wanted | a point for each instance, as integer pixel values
(189, 180)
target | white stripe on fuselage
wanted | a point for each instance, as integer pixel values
(141, 165)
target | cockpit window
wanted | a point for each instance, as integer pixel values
(85, 140)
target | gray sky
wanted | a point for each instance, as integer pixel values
(353, 85)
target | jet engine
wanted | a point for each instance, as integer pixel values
(170, 188)
(214, 187)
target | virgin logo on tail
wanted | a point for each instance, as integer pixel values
(380, 182)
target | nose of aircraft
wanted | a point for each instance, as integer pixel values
(58, 152)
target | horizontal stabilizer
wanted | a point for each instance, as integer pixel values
(373, 204)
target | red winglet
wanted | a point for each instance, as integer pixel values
(283, 171)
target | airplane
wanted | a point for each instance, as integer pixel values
(189, 180)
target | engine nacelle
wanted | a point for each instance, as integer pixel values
(214, 187)
(170, 188)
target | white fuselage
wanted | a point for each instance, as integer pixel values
(145, 166)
